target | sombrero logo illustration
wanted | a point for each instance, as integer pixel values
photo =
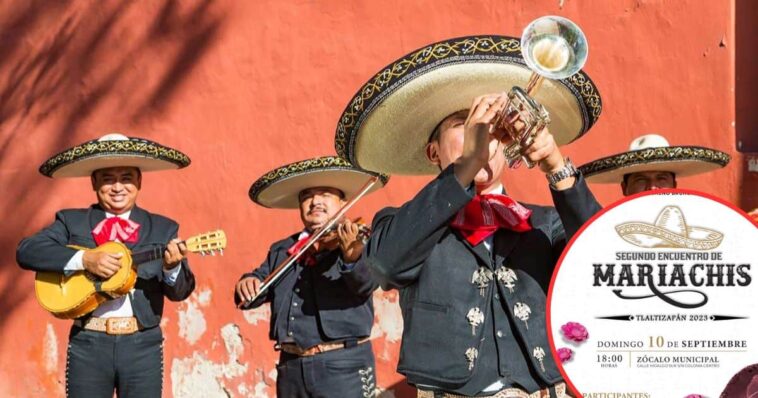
(670, 230)
(657, 288)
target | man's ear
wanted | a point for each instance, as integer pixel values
(432, 153)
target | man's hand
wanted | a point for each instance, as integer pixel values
(102, 264)
(544, 152)
(247, 288)
(477, 136)
(350, 245)
(173, 254)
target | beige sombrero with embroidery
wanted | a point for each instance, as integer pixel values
(280, 188)
(113, 150)
(652, 152)
(670, 230)
(387, 124)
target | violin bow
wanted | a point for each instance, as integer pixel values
(285, 266)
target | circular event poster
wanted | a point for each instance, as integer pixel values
(657, 297)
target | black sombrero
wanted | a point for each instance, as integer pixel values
(113, 150)
(652, 152)
(387, 124)
(280, 188)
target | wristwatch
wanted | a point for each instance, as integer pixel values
(567, 171)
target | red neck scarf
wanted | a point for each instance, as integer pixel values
(306, 259)
(116, 229)
(486, 213)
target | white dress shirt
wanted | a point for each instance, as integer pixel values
(122, 306)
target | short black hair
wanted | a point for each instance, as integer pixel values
(435, 137)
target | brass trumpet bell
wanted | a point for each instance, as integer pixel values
(555, 48)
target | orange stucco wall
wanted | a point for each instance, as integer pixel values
(244, 86)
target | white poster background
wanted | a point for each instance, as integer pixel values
(574, 299)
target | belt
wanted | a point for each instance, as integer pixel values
(560, 391)
(292, 348)
(112, 326)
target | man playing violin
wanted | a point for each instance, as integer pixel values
(119, 345)
(321, 309)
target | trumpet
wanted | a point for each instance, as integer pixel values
(555, 48)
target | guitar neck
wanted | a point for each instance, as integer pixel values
(148, 255)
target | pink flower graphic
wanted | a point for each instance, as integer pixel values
(575, 331)
(565, 354)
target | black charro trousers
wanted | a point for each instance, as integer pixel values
(98, 363)
(344, 373)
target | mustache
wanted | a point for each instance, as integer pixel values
(317, 208)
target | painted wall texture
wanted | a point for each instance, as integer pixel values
(245, 86)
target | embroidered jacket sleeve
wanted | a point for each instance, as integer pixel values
(260, 273)
(46, 250)
(403, 238)
(358, 278)
(574, 206)
(184, 283)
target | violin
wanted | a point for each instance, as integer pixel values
(281, 269)
(330, 239)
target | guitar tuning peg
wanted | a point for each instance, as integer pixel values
(202, 253)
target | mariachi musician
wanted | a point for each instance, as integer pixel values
(472, 264)
(119, 345)
(321, 309)
(651, 163)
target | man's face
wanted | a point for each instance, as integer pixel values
(647, 181)
(318, 205)
(117, 188)
(449, 147)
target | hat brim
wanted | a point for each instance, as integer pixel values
(683, 161)
(387, 125)
(280, 188)
(82, 160)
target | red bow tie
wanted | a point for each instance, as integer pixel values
(116, 228)
(486, 213)
(307, 258)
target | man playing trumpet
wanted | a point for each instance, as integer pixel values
(472, 264)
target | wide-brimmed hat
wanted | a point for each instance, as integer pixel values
(744, 384)
(670, 230)
(652, 152)
(280, 188)
(113, 150)
(387, 124)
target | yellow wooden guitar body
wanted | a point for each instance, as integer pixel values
(69, 297)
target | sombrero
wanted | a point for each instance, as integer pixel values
(652, 152)
(744, 384)
(113, 150)
(670, 230)
(280, 188)
(387, 124)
